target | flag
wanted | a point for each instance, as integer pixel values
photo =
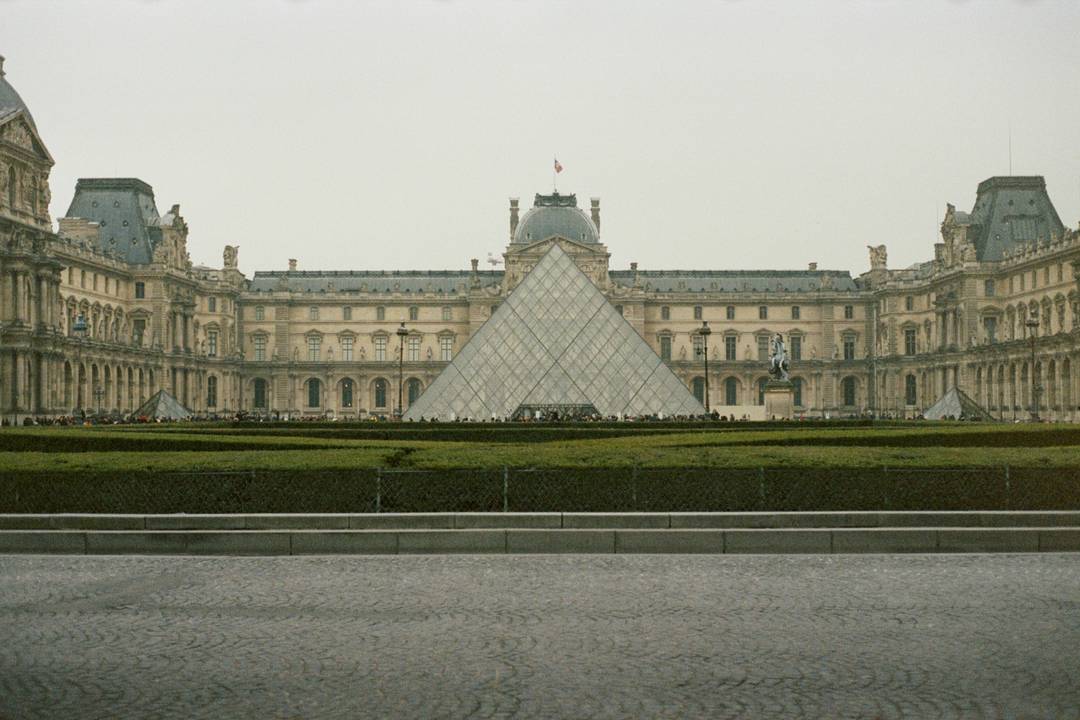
(558, 166)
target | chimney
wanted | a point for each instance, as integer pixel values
(813, 266)
(513, 218)
(595, 203)
(475, 265)
(292, 264)
(939, 251)
(1, 66)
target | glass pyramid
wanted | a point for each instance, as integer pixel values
(555, 342)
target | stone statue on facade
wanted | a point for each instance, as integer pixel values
(229, 256)
(778, 361)
(878, 257)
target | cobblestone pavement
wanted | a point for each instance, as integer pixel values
(971, 636)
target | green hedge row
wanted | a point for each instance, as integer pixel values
(64, 441)
(568, 490)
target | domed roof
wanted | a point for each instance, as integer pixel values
(9, 99)
(552, 215)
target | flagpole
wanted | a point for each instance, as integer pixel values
(554, 186)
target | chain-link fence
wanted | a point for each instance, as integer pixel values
(515, 489)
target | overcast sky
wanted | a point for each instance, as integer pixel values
(389, 135)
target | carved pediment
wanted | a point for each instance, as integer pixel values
(16, 131)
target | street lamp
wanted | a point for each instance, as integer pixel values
(1032, 324)
(99, 393)
(705, 332)
(401, 333)
(79, 329)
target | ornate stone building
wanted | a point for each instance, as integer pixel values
(105, 309)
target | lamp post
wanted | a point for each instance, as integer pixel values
(1032, 324)
(79, 329)
(99, 392)
(705, 332)
(401, 333)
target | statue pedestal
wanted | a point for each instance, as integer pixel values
(779, 400)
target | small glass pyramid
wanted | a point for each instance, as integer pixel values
(555, 343)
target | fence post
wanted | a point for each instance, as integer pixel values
(506, 488)
(378, 490)
(1008, 496)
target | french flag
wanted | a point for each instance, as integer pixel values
(558, 166)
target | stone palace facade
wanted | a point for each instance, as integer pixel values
(102, 310)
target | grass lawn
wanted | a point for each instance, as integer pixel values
(329, 446)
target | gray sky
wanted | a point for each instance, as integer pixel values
(389, 135)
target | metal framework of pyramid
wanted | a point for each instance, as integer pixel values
(956, 404)
(163, 405)
(554, 343)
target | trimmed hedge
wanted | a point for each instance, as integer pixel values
(568, 490)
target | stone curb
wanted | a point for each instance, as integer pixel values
(547, 521)
(555, 541)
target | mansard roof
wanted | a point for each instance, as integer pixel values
(1009, 212)
(738, 280)
(126, 212)
(411, 281)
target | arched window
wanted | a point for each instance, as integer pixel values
(848, 388)
(346, 392)
(211, 391)
(796, 384)
(414, 388)
(699, 389)
(731, 391)
(380, 393)
(910, 394)
(761, 390)
(314, 392)
(260, 393)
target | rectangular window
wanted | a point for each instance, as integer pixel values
(447, 314)
(95, 282)
(260, 347)
(380, 347)
(313, 313)
(1046, 275)
(990, 324)
(909, 341)
(314, 346)
(697, 312)
(260, 312)
(140, 291)
(1022, 276)
(796, 311)
(849, 312)
(730, 312)
(71, 276)
(138, 329)
(849, 348)
(346, 313)
(665, 312)
(796, 347)
(82, 279)
(413, 349)
(380, 313)
(763, 312)
(909, 303)
(618, 309)
(211, 304)
(988, 288)
(446, 348)
(211, 391)
(699, 347)
(211, 343)
(414, 313)
(346, 348)
(1060, 271)
(106, 284)
(730, 349)
(665, 347)
(763, 348)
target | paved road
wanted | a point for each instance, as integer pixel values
(541, 636)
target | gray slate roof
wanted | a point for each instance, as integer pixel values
(10, 100)
(125, 208)
(410, 281)
(738, 280)
(552, 215)
(1010, 212)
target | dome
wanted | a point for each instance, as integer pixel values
(9, 99)
(556, 215)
